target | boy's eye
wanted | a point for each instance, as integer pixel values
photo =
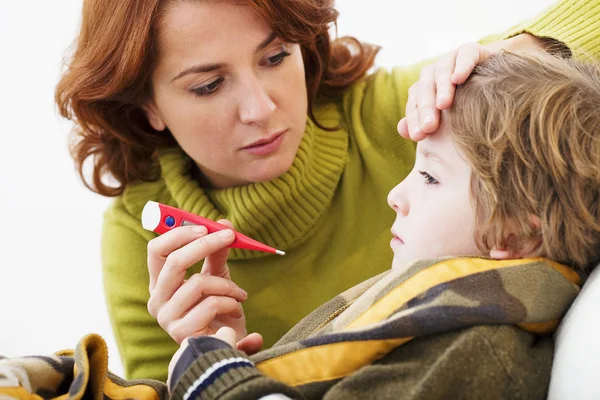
(208, 88)
(429, 180)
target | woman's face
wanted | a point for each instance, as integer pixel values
(232, 94)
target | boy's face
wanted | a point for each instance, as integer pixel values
(434, 214)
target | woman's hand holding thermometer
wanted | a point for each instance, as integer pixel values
(207, 300)
(161, 218)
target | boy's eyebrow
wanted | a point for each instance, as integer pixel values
(432, 156)
(197, 69)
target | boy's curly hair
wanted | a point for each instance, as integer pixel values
(529, 124)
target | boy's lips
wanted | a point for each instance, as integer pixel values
(396, 240)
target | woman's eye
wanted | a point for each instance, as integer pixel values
(429, 180)
(277, 59)
(208, 89)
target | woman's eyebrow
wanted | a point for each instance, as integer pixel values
(272, 36)
(198, 69)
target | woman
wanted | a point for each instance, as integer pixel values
(203, 106)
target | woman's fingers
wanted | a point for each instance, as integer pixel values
(207, 300)
(426, 99)
(161, 247)
(227, 335)
(466, 60)
(469, 55)
(403, 128)
(436, 87)
(173, 271)
(216, 263)
(199, 318)
(445, 88)
(197, 289)
(412, 113)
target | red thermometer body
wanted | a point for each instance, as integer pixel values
(161, 218)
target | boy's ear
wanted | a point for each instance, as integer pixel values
(154, 117)
(508, 254)
(524, 247)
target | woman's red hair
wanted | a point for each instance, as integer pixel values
(108, 79)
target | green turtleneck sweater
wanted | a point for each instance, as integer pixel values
(328, 211)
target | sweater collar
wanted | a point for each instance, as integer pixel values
(280, 212)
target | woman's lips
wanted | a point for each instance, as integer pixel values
(266, 147)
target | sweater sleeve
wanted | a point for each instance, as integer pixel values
(210, 369)
(575, 23)
(144, 347)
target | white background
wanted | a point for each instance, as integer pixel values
(50, 276)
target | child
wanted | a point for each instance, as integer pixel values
(511, 181)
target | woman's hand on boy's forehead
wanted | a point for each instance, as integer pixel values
(434, 91)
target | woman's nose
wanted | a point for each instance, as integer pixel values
(256, 106)
(397, 200)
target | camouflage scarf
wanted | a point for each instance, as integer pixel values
(352, 330)
(432, 296)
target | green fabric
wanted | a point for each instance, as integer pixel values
(328, 212)
(575, 23)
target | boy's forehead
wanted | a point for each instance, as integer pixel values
(436, 142)
(440, 147)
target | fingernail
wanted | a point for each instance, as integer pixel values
(428, 119)
(416, 129)
(200, 229)
(244, 294)
(442, 95)
(225, 233)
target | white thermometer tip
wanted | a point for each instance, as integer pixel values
(151, 216)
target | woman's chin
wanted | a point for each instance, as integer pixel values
(270, 171)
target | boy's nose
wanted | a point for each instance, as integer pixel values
(397, 201)
(402, 208)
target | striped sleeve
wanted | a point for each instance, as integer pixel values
(210, 369)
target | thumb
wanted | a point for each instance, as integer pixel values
(251, 344)
(227, 335)
(216, 263)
